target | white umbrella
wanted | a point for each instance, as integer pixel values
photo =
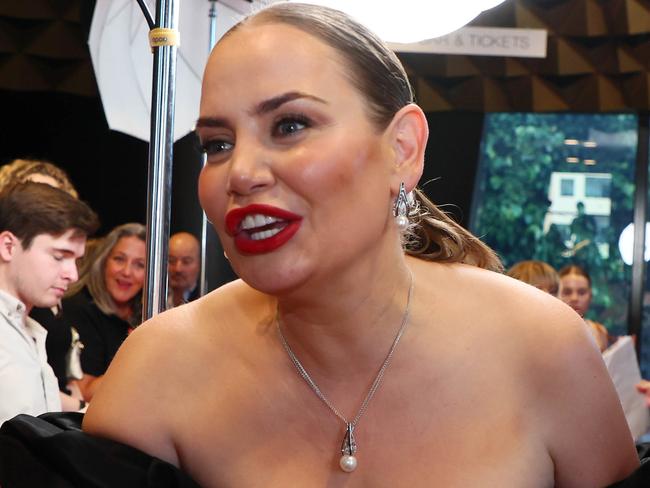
(122, 60)
(123, 63)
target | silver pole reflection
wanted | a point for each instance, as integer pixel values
(203, 278)
(160, 164)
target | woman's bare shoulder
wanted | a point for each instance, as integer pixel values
(160, 366)
(219, 310)
(552, 361)
(496, 303)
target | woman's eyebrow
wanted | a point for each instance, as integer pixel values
(273, 103)
(261, 108)
(211, 122)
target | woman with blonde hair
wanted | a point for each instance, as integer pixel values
(105, 304)
(538, 274)
(575, 291)
(38, 171)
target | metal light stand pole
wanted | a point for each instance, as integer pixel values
(160, 161)
(203, 278)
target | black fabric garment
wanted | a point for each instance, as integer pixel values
(101, 334)
(51, 451)
(57, 343)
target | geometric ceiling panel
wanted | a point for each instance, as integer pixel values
(636, 89)
(598, 57)
(431, 97)
(29, 9)
(535, 94)
(576, 18)
(77, 77)
(501, 66)
(25, 73)
(8, 37)
(565, 57)
(628, 60)
(637, 17)
(59, 39)
(586, 93)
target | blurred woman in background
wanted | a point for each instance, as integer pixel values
(105, 304)
(38, 171)
(538, 274)
(575, 291)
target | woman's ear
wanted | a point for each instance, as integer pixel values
(8, 243)
(408, 134)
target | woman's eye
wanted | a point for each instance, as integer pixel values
(216, 147)
(290, 125)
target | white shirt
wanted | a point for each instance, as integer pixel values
(27, 382)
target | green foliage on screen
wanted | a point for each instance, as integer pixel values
(519, 154)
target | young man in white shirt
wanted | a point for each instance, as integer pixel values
(43, 232)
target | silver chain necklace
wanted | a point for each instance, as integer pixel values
(348, 461)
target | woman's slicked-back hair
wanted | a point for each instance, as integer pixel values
(94, 278)
(374, 69)
(378, 75)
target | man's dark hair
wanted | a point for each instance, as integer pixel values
(30, 209)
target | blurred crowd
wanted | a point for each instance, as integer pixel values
(68, 299)
(572, 285)
(66, 311)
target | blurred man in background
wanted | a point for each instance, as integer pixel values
(184, 267)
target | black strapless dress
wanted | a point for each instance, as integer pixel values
(51, 451)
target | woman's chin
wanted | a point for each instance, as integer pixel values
(123, 299)
(271, 280)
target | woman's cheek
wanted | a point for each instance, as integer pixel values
(211, 196)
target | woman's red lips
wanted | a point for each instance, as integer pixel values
(276, 226)
(235, 217)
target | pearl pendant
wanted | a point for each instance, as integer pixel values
(402, 222)
(348, 463)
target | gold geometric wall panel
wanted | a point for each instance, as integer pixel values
(598, 57)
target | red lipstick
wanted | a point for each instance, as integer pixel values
(288, 225)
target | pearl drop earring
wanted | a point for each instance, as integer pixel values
(401, 209)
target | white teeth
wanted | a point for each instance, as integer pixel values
(248, 223)
(265, 234)
(257, 220)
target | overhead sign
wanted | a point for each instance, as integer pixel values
(483, 41)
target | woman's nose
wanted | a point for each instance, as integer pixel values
(250, 169)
